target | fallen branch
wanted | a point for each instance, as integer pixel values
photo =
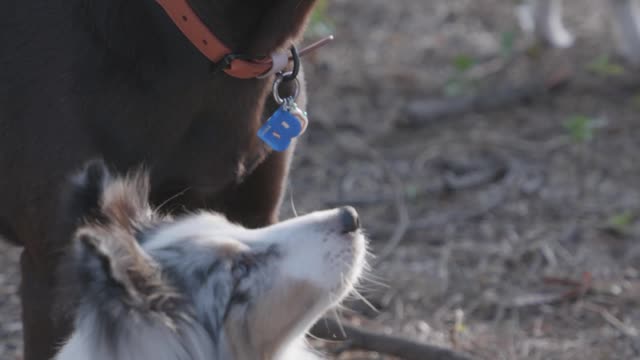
(423, 112)
(355, 338)
(460, 215)
(627, 330)
(627, 291)
(577, 290)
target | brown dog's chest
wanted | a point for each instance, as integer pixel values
(201, 140)
(133, 92)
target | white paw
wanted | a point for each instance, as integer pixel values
(543, 19)
(558, 37)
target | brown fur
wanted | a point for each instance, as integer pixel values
(138, 274)
(115, 79)
(112, 212)
(126, 199)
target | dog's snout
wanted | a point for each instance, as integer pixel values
(349, 219)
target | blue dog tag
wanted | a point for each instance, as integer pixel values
(285, 124)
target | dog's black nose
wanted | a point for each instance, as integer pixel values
(349, 219)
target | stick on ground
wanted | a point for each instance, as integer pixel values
(330, 329)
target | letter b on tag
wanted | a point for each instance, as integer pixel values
(280, 129)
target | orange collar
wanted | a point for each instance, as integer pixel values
(213, 48)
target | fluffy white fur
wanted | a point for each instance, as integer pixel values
(198, 287)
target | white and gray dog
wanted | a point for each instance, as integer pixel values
(544, 19)
(197, 287)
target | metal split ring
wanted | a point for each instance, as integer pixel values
(276, 88)
(290, 76)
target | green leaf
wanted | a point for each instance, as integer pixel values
(621, 221)
(580, 128)
(463, 63)
(635, 101)
(602, 65)
(456, 87)
(411, 191)
(507, 43)
(460, 328)
(320, 24)
(320, 12)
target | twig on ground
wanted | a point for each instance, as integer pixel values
(451, 217)
(451, 182)
(473, 179)
(627, 291)
(355, 338)
(586, 280)
(492, 168)
(456, 216)
(494, 67)
(423, 112)
(623, 328)
(529, 300)
(578, 290)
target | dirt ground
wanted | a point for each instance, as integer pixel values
(518, 227)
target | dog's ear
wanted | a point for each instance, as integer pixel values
(125, 201)
(108, 263)
(94, 195)
(84, 192)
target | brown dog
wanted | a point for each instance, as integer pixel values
(116, 79)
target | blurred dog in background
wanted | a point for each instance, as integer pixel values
(544, 19)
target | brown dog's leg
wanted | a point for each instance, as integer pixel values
(42, 335)
(256, 201)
